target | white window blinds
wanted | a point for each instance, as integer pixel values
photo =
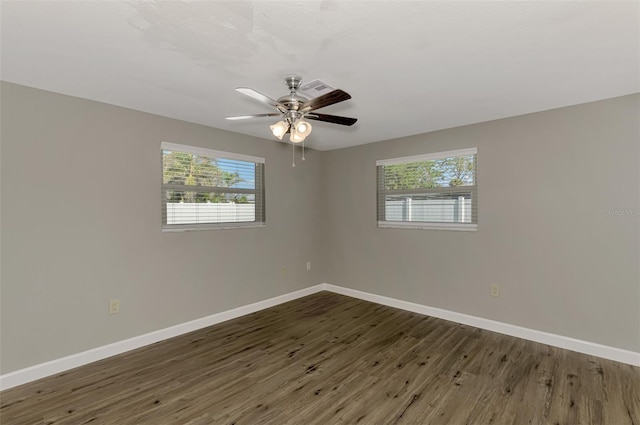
(205, 189)
(429, 191)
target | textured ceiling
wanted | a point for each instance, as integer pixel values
(411, 67)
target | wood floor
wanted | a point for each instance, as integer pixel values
(329, 359)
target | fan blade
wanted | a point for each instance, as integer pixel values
(334, 119)
(325, 100)
(244, 117)
(262, 98)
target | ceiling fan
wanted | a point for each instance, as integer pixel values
(294, 109)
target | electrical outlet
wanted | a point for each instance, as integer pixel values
(308, 265)
(284, 271)
(114, 306)
(495, 290)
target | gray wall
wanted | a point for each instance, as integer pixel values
(81, 224)
(564, 267)
(545, 183)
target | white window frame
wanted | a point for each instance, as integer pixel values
(426, 225)
(258, 192)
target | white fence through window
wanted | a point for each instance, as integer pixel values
(195, 213)
(430, 210)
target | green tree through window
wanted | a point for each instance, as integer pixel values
(185, 169)
(453, 171)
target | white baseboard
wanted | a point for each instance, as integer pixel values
(53, 367)
(585, 347)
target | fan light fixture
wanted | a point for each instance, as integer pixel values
(279, 129)
(299, 130)
(303, 128)
(296, 137)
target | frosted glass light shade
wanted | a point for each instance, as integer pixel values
(279, 129)
(303, 128)
(295, 136)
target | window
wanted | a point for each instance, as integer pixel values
(433, 191)
(206, 189)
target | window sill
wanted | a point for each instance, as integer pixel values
(421, 225)
(222, 226)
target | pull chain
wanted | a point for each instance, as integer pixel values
(303, 150)
(293, 155)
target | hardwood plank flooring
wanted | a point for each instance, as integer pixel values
(329, 359)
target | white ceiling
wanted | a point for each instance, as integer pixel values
(411, 67)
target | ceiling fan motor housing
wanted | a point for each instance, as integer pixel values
(292, 101)
(293, 82)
